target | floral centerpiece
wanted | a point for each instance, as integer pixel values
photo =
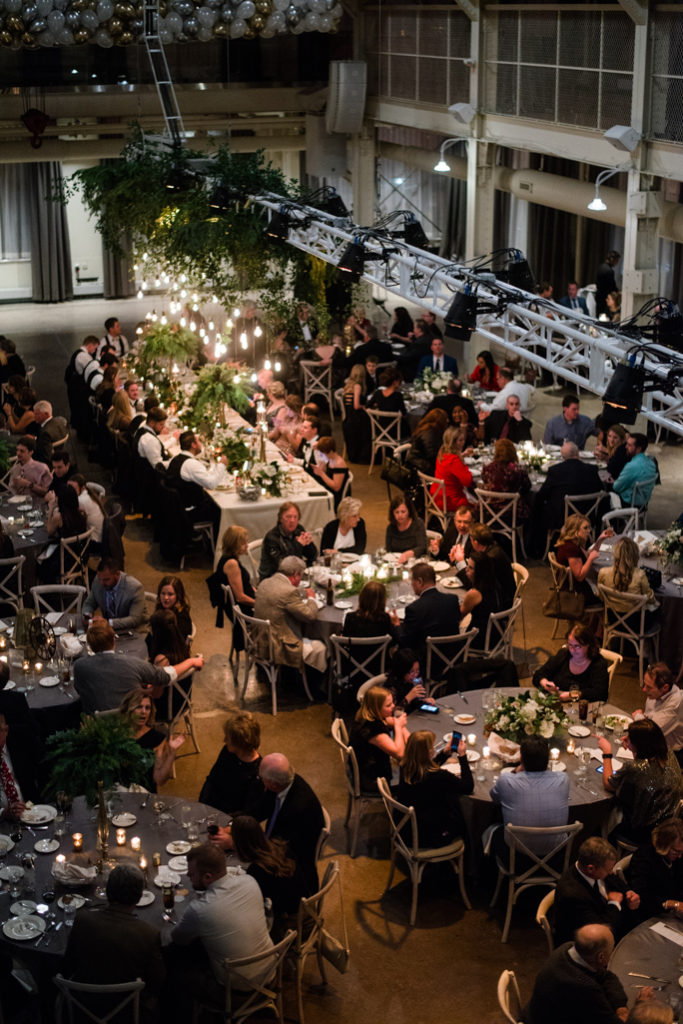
(527, 714)
(271, 477)
(670, 546)
(353, 582)
(535, 457)
(233, 445)
(435, 383)
(217, 386)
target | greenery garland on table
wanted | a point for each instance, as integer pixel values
(216, 386)
(527, 714)
(102, 749)
(358, 581)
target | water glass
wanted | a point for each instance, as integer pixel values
(60, 824)
(193, 832)
(185, 815)
(69, 915)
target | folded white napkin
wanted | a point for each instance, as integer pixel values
(506, 750)
(70, 645)
(70, 872)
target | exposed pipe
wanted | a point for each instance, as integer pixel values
(104, 149)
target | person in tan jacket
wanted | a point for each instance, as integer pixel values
(278, 600)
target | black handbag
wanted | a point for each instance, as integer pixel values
(654, 577)
(564, 604)
(394, 472)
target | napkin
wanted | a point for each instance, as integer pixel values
(53, 617)
(645, 540)
(70, 873)
(506, 750)
(667, 932)
(70, 645)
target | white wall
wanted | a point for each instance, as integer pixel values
(86, 244)
(15, 279)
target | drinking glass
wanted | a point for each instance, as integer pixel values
(193, 832)
(185, 815)
(69, 914)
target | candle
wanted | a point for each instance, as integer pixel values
(135, 844)
(39, 667)
(156, 860)
(120, 837)
(554, 754)
(77, 840)
(471, 738)
(571, 746)
(486, 751)
(142, 862)
(25, 666)
(3, 657)
(3, 643)
(60, 859)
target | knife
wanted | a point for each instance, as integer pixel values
(635, 974)
(463, 698)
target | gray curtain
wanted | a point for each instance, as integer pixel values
(15, 213)
(117, 277)
(50, 249)
(454, 223)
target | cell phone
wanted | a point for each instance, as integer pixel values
(455, 740)
(600, 769)
(432, 709)
(212, 830)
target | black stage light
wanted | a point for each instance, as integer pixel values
(518, 273)
(414, 233)
(623, 398)
(178, 180)
(668, 326)
(222, 200)
(333, 204)
(352, 262)
(278, 227)
(461, 318)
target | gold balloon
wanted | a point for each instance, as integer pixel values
(115, 26)
(221, 30)
(264, 7)
(14, 24)
(28, 40)
(124, 11)
(5, 38)
(81, 35)
(257, 22)
(249, 32)
(125, 38)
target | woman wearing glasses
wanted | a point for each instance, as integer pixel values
(578, 665)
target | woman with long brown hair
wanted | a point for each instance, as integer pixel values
(138, 709)
(573, 550)
(356, 425)
(426, 441)
(269, 862)
(171, 595)
(432, 791)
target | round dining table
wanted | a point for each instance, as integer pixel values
(23, 519)
(652, 955)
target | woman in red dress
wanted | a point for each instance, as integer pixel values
(452, 470)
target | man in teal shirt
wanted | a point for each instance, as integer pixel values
(640, 469)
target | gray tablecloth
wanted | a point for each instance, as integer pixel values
(647, 952)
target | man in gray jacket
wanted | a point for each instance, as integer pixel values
(120, 599)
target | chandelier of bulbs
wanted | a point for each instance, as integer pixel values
(32, 23)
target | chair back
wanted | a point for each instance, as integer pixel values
(358, 658)
(324, 835)
(73, 996)
(73, 558)
(66, 599)
(399, 816)
(346, 489)
(348, 756)
(310, 919)
(12, 581)
(509, 998)
(498, 509)
(231, 607)
(254, 558)
(618, 621)
(562, 577)
(586, 505)
(443, 652)
(178, 699)
(385, 431)
(435, 503)
(317, 380)
(258, 637)
(260, 990)
(542, 918)
(540, 871)
(521, 575)
(613, 659)
(4, 480)
(339, 399)
(627, 516)
(642, 493)
(500, 629)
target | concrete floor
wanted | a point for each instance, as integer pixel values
(449, 963)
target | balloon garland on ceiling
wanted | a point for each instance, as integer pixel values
(32, 23)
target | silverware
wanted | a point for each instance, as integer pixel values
(463, 698)
(650, 977)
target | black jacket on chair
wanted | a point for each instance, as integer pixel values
(572, 476)
(299, 823)
(433, 614)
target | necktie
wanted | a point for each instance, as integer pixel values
(575, 304)
(111, 604)
(506, 428)
(8, 783)
(437, 366)
(273, 818)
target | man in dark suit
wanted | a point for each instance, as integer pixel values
(120, 598)
(484, 540)
(571, 476)
(431, 326)
(456, 544)
(291, 811)
(605, 281)
(572, 300)
(507, 422)
(373, 347)
(656, 871)
(51, 429)
(575, 985)
(433, 614)
(589, 893)
(438, 361)
(111, 945)
(411, 355)
(448, 402)
(371, 374)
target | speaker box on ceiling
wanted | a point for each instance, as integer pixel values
(346, 96)
(325, 153)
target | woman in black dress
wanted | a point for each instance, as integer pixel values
(404, 680)
(234, 544)
(579, 665)
(234, 777)
(171, 597)
(371, 617)
(330, 468)
(401, 326)
(485, 595)
(356, 425)
(388, 397)
(377, 735)
(425, 441)
(138, 709)
(268, 861)
(432, 791)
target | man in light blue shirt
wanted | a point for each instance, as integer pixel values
(640, 469)
(570, 425)
(532, 796)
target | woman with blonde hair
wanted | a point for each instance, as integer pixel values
(120, 414)
(507, 475)
(432, 791)
(233, 545)
(138, 709)
(346, 532)
(573, 551)
(451, 469)
(626, 577)
(276, 395)
(379, 732)
(356, 425)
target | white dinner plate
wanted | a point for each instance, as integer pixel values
(123, 820)
(508, 769)
(39, 814)
(46, 845)
(59, 630)
(6, 845)
(579, 730)
(10, 872)
(22, 907)
(473, 755)
(72, 900)
(440, 566)
(453, 767)
(166, 877)
(344, 603)
(451, 582)
(616, 723)
(24, 928)
(179, 847)
(464, 719)
(48, 681)
(146, 898)
(10, 685)
(178, 864)
(558, 766)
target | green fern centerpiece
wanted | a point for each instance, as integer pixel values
(164, 345)
(102, 749)
(216, 386)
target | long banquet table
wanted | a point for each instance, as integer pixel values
(653, 948)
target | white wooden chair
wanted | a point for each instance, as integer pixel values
(628, 516)
(443, 652)
(12, 581)
(618, 625)
(317, 380)
(66, 599)
(641, 497)
(509, 998)
(357, 800)
(499, 633)
(73, 996)
(498, 509)
(521, 575)
(416, 857)
(73, 558)
(543, 921)
(233, 655)
(181, 709)
(586, 505)
(385, 430)
(309, 933)
(346, 489)
(254, 558)
(435, 504)
(259, 650)
(613, 659)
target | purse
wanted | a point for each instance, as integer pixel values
(654, 577)
(394, 472)
(564, 604)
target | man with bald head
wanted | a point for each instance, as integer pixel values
(570, 476)
(575, 984)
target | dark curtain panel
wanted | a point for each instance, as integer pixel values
(454, 223)
(117, 272)
(50, 249)
(552, 245)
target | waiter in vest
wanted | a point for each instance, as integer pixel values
(147, 443)
(192, 478)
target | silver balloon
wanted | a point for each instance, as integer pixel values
(102, 38)
(238, 27)
(280, 5)
(89, 20)
(55, 21)
(12, 6)
(105, 9)
(65, 37)
(29, 13)
(136, 26)
(276, 22)
(191, 26)
(60, 5)
(227, 13)
(326, 23)
(205, 35)
(247, 9)
(72, 19)
(165, 36)
(44, 7)
(46, 39)
(38, 26)
(317, 5)
(206, 17)
(174, 23)
(298, 27)
(312, 21)
(185, 9)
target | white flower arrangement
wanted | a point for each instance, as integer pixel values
(436, 383)
(670, 546)
(526, 715)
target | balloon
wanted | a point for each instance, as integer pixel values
(174, 22)
(14, 24)
(185, 9)
(206, 17)
(191, 26)
(72, 19)
(247, 9)
(312, 21)
(297, 27)
(38, 26)
(205, 34)
(317, 5)
(29, 12)
(280, 5)
(115, 27)
(60, 5)
(44, 7)
(276, 23)
(264, 6)
(102, 38)
(46, 39)
(65, 37)
(237, 28)
(12, 6)
(326, 23)
(257, 22)
(55, 21)
(81, 35)
(165, 36)
(226, 12)
(125, 38)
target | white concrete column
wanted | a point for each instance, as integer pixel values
(641, 245)
(362, 163)
(480, 196)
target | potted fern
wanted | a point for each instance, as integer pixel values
(102, 749)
